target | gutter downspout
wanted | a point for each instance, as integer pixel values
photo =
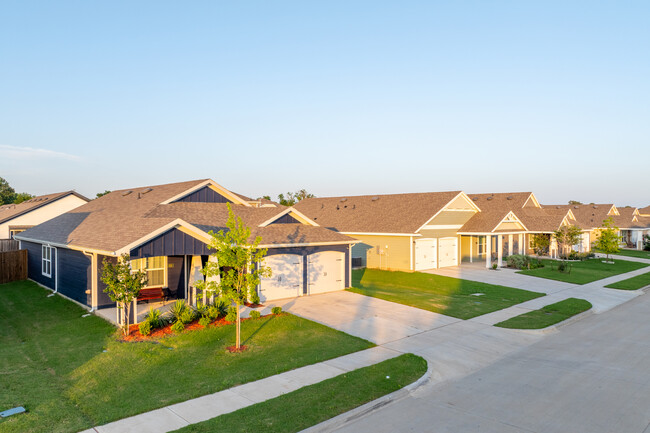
(56, 268)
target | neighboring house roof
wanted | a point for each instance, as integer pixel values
(504, 201)
(124, 217)
(628, 218)
(485, 222)
(495, 207)
(380, 213)
(545, 220)
(11, 211)
(645, 211)
(588, 216)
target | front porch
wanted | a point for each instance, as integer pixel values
(111, 314)
(486, 249)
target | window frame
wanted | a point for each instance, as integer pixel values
(46, 260)
(147, 270)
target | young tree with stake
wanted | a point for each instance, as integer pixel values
(239, 264)
(123, 285)
(566, 237)
(608, 240)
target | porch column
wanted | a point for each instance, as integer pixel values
(510, 246)
(488, 251)
(521, 243)
(500, 250)
(471, 242)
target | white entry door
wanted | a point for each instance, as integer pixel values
(447, 252)
(286, 277)
(325, 272)
(425, 254)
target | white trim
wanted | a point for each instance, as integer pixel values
(504, 220)
(46, 260)
(221, 190)
(460, 194)
(442, 227)
(289, 210)
(69, 247)
(535, 201)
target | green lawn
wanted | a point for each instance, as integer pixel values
(52, 361)
(633, 253)
(313, 404)
(450, 296)
(583, 272)
(633, 283)
(547, 316)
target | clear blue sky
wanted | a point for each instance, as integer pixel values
(338, 97)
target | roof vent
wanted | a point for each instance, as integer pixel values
(337, 207)
(575, 207)
(509, 197)
(146, 190)
(475, 198)
(125, 193)
(375, 198)
(344, 199)
(490, 198)
(322, 205)
(595, 207)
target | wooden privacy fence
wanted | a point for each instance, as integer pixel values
(9, 245)
(13, 266)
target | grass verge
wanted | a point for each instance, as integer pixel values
(454, 297)
(585, 271)
(547, 316)
(52, 361)
(634, 283)
(641, 254)
(316, 403)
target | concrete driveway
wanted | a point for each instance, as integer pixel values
(593, 376)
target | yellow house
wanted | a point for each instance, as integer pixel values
(407, 232)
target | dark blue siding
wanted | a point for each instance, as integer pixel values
(305, 251)
(103, 301)
(35, 262)
(75, 275)
(171, 243)
(286, 219)
(205, 195)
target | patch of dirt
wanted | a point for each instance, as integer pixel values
(233, 349)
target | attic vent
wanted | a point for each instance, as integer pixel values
(490, 198)
(344, 199)
(126, 193)
(509, 197)
(595, 207)
(475, 199)
(322, 205)
(146, 190)
(575, 207)
(375, 198)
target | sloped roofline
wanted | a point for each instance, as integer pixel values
(45, 203)
(534, 199)
(300, 215)
(460, 194)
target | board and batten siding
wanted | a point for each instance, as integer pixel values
(35, 263)
(204, 195)
(75, 275)
(171, 243)
(383, 252)
(103, 300)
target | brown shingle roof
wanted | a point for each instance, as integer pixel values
(500, 201)
(120, 218)
(11, 211)
(386, 213)
(484, 221)
(588, 216)
(645, 211)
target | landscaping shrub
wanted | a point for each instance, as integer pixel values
(255, 314)
(220, 308)
(145, 328)
(518, 261)
(276, 310)
(155, 319)
(204, 321)
(178, 326)
(188, 315)
(232, 313)
(177, 310)
(646, 242)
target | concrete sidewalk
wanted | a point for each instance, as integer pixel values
(209, 406)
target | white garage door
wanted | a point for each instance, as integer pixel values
(285, 280)
(325, 272)
(425, 254)
(448, 252)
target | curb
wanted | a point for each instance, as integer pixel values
(368, 408)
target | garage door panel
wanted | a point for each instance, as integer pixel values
(425, 254)
(447, 252)
(286, 280)
(325, 272)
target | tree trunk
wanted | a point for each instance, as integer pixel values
(238, 337)
(127, 311)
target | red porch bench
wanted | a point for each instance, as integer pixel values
(151, 293)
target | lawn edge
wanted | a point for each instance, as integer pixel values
(370, 407)
(555, 327)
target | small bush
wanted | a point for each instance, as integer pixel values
(519, 261)
(220, 308)
(178, 326)
(155, 319)
(254, 314)
(535, 263)
(187, 316)
(177, 310)
(145, 328)
(276, 310)
(232, 314)
(204, 321)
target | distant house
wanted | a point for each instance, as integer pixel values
(164, 230)
(16, 218)
(632, 227)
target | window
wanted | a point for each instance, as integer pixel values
(46, 264)
(481, 245)
(15, 232)
(155, 269)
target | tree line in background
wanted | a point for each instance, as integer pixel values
(292, 197)
(8, 195)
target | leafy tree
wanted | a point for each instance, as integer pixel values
(646, 242)
(294, 197)
(566, 237)
(608, 239)
(574, 202)
(123, 285)
(100, 194)
(540, 242)
(239, 265)
(266, 197)
(22, 196)
(7, 193)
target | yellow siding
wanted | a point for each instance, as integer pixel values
(384, 252)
